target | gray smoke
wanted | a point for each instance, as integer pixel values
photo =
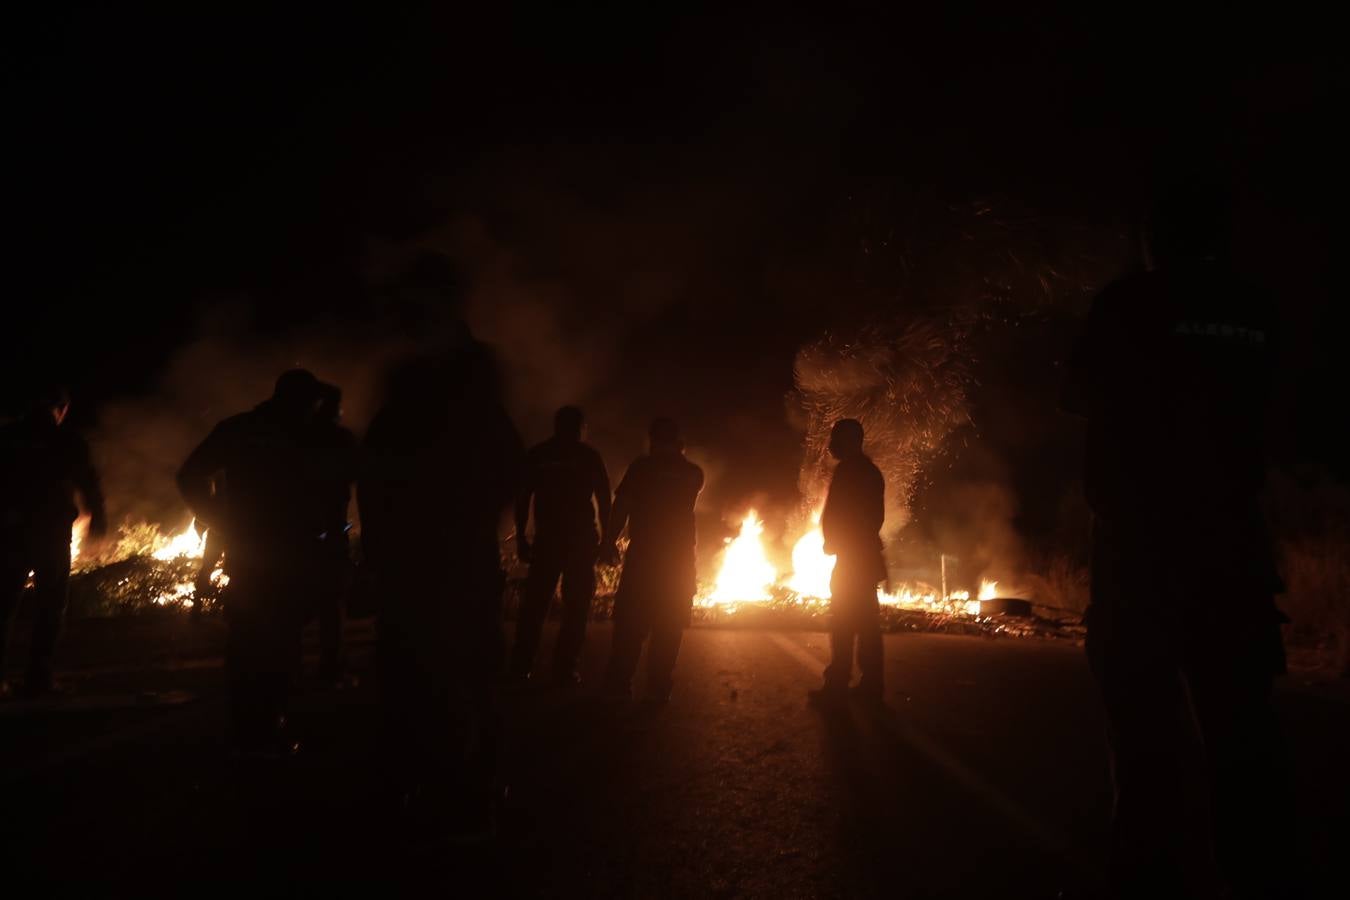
(140, 442)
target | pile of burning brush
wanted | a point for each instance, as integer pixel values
(141, 570)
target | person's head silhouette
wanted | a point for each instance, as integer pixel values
(296, 394)
(330, 403)
(846, 439)
(569, 424)
(664, 437)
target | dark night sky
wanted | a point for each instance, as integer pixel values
(690, 197)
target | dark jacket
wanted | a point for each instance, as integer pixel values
(658, 494)
(564, 478)
(1173, 373)
(855, 509)
(441, 462)
(42, 467)
(253, 479)
(336, 467)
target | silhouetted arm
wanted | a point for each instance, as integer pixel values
(196, 476)
(603, 499)
(829, 517)
(877, 503)
(618, 520)
(523, 497)
(86, 480)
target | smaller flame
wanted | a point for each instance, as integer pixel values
(187, 543)
(78, 532)
(988, 591)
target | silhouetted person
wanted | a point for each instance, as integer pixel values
(43, 465)
(656, 501)
(1183, 634)
(333, 478)
(441, 466)
(851, 524)
(567, 480)
(263, 460)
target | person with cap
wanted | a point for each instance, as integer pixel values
(851, 522)
(251, 478)
(655, 501)
(566, 479)
(44, 468)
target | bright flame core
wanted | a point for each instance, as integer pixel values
(811, 566)
(746, 576)
(187, 543)
(78, 532)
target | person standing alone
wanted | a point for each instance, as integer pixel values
(851, 523)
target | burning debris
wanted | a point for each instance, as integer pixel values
(142, 569)
(145, 569)
(750, 591)
(747, 578)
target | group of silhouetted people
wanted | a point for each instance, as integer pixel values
(1183, 633)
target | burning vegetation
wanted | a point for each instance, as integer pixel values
(142, 568)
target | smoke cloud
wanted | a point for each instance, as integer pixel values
(140, 442)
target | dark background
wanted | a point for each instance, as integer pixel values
(651, 212)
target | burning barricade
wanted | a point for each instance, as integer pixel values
(145, 569)
(749, 590)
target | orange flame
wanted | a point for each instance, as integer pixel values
(746, 575)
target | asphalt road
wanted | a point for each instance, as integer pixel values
(985, 776)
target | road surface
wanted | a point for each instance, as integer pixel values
(984, 777)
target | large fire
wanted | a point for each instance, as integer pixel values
(746, 575)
